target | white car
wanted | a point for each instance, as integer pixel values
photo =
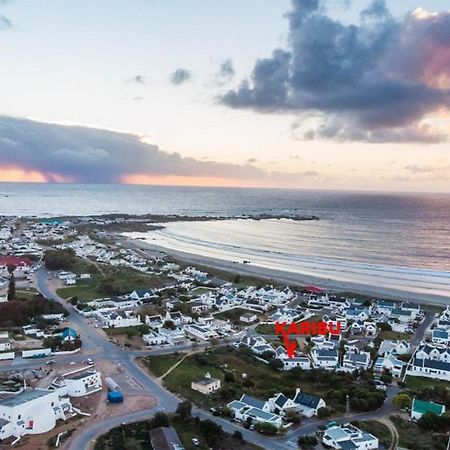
(196, 442)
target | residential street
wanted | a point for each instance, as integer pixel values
(95, 341)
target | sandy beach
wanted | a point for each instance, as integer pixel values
(288, 278)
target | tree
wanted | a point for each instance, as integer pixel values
(59, 259)
(11, 287)
(307, 442)
(402, 400)
(184, 409)
(383, 326)
(323, 413)
(266, 428)
(160, 419)
(229, 377)
(276, 364)
(293, 416)
(211, 432)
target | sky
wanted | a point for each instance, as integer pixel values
(319, 94)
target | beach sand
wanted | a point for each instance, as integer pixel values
(288, 278)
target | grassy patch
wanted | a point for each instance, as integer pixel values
(26, 293)
(137, 330)
(419, 383)
(395, 335)
(265, 328)
(159, 365)
(411, 436)
(85, 290)
(232, 314)
(259, 380)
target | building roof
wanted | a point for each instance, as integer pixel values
(311, 401)
(25, 396)
(422, 407)
(15, 261)
(165, 438)
(252, 401)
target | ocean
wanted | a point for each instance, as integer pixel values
(397, 239)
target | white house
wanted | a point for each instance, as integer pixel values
(32, 411)
(119, 319)
(325, 359)
(429, 368)
(307, 404)
(349, 437)
(206, 385)
(200, 332)
(400, 347)
(79, 383)
(356, 361)
(421, 407)
(257, 410)
(390, 363)
(302, 362)
(248, 317)
(153, 338)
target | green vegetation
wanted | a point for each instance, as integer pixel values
(130, 332)
(232, 314)
(19, 312)
(135, 436)
(402, 401)
(394, 335)
(159, 365)
(84, 290)
(413, 437)
(265, 328)
(116, 281)
(262, 381)
(59, 259)
(378, 429)
(417, 384)
(26, 293)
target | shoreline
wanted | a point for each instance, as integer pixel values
(290, 278)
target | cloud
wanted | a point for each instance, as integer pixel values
(226, 71)
(137, 79)
(91, 155)
(180, 76)
(380, 80)
(5, 23)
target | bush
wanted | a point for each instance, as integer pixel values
(307, 442)
(184, 409)
(266, 428)
(323, 413)
(59, 259)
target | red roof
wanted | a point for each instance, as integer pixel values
(15, 261)
(313, 289)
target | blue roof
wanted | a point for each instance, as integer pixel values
(262, 414)
(69, 332)
(311, 401)
(252, 401)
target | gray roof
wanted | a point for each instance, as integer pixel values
(311, 401)
(25, 396)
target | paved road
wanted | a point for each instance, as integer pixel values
(166, 401)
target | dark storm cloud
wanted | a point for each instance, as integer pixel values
(374, 81)
(180, 76)
(91, 155)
